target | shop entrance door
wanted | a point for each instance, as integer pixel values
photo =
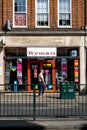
(34, 67)
(49, 68)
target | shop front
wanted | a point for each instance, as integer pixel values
(23, 65)
(42, 58)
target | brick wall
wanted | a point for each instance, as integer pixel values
(77, 14)
(0, 14)
(86, 12)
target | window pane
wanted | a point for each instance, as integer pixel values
(16, 7)
(68, 16)
(42, 20)
(20, 5)
(62, 16)
(64, 5)
(45, 19)
(38, 19)
(21, 2)
(39, 4)
(22, 9)
(64, 19)
(68, 22)
(67, 5)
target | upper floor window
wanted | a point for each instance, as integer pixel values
(64, 11)
(19, 13)
(42, 13)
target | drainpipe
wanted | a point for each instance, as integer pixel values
(85, 39)
(85, 15)
(83, 53)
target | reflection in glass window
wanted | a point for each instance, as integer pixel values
(19, 13)
(64, 13)
(42, 13)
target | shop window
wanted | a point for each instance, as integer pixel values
(73, 52)
(16, 70)
(67, 65)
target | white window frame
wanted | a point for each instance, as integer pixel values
(14, 26)
(43, 13)
(66, 26)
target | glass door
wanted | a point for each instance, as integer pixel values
(35, 67)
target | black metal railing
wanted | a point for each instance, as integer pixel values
(68, 102)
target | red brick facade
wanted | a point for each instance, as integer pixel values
(78, 13)
(86, 11)
(1, 15)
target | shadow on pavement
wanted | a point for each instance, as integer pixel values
(20, 124)
(83, 127)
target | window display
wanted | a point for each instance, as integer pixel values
(67, 65)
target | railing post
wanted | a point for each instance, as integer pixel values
(34, 103)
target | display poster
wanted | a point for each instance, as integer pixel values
(35, 73)
(76, 71)
(20, 19)
(47, 76)
(64, 66)
(19, 70)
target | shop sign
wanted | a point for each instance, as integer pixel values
(41, 52)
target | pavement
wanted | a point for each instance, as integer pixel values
(44, 124)
(69, 123)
